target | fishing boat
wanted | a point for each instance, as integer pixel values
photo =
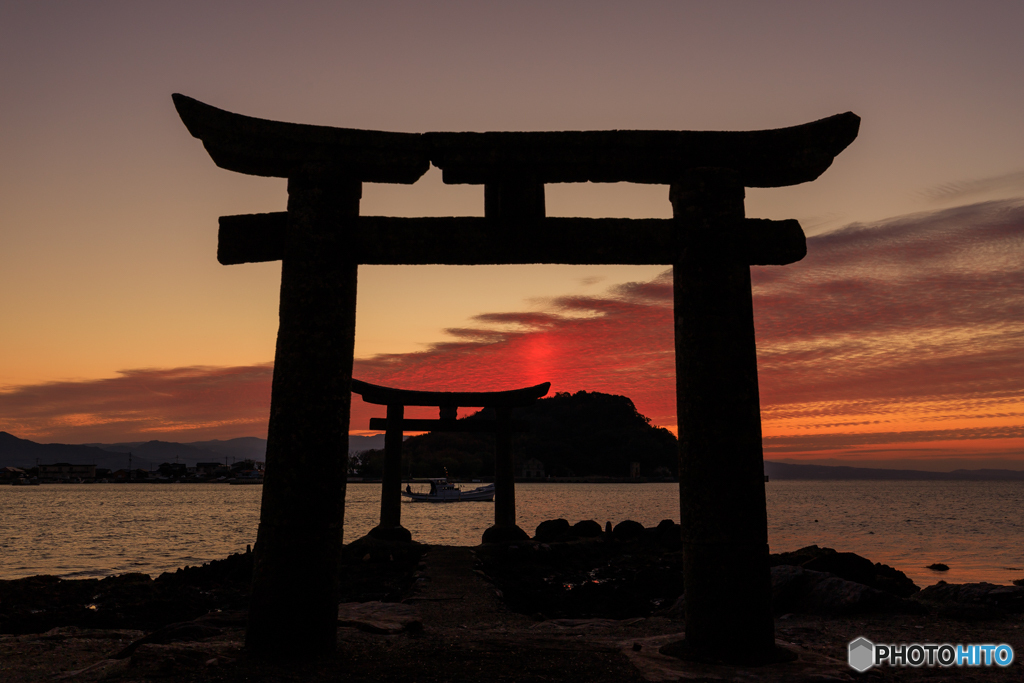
(443, 491)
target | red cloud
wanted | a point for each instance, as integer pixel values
(613, 344)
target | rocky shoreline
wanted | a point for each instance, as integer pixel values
(586, 583)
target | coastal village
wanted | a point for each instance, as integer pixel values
(241, 472)
(251, 472)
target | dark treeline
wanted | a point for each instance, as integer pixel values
(573, 435)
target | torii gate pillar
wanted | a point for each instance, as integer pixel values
(293, 608)
(721, 470)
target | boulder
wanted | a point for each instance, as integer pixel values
(796, 589)
(551, 530)
(667, 531)
(627, 530)
(849, 566)
(973, 601)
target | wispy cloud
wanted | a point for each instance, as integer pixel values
(886, 329)
(205, 402)
(906, 334)
(959, 191)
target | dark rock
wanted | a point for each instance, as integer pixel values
(667, 530)
(795, 589)
(376, 569)
(214, 595)
(973, 601)
(380, 617)
(938, 567)
(234, 570)
(587, 528)
(40, 603)
(551, 529)
(585, 578)
(849, 566)
(627, 530)
(504, 534)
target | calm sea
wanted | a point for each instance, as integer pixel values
(91, 530)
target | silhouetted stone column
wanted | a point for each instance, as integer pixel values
(293, 609)
(505, 528)
(504, 472)
(507, 201)
(514, 199)
(721, 472)
(390, 527)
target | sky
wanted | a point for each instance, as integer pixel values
(897, 342)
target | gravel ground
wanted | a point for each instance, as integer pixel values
(462, 630)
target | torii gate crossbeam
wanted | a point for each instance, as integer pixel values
(321, 240)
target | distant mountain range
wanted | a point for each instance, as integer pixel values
(15, 452)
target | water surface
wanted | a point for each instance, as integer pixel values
(101, 529)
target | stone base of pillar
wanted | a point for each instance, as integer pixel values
(505, 534)
(728, 602)
(391, 533)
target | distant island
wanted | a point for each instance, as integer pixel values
(571, 436)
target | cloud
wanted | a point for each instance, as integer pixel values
(902, 323)
(144, 404)
(907, 332)
(846, 439)
(958, 191)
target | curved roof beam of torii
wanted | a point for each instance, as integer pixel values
(764, 158)
(380, 395)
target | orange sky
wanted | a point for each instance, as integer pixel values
(897, 339)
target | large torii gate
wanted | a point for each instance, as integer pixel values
(322, 239)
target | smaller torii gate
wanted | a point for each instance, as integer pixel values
(449, 402)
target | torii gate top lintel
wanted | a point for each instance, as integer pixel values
(763, 158)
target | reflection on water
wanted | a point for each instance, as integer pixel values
(101, 529)
(87, 530)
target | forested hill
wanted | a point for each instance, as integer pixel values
(581, 434)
